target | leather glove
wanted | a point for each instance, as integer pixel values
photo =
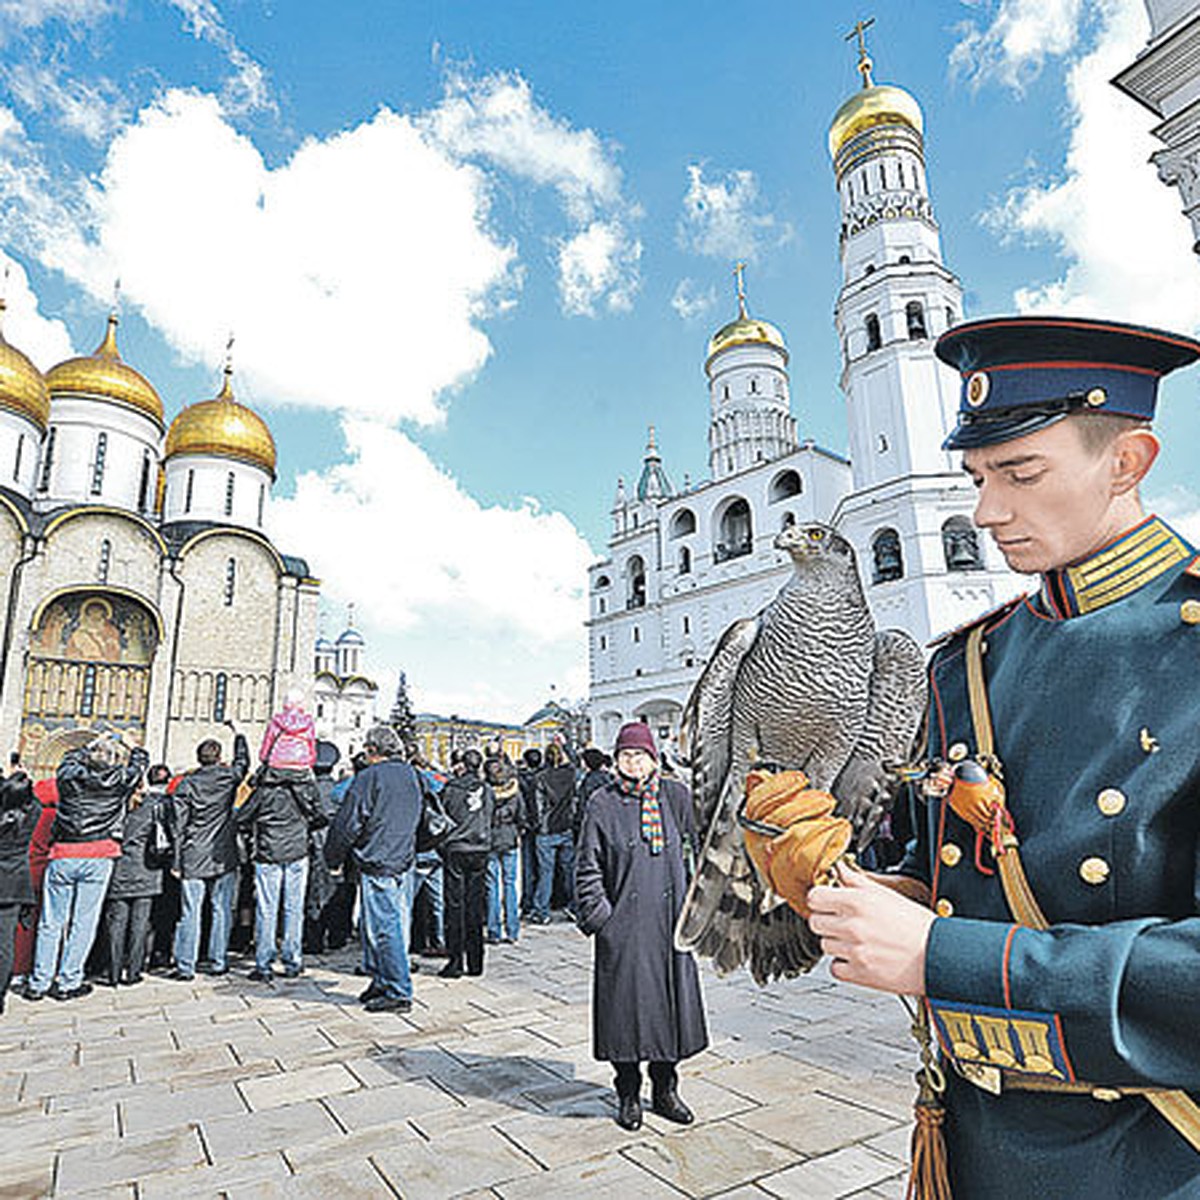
(810, 838)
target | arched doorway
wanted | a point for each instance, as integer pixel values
(87, 672)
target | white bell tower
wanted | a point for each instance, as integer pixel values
(925, 567)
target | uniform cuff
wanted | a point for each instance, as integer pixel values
(967, 960)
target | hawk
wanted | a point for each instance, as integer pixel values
(808, 683)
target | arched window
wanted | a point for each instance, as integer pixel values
(960, 545)
(788, 520)
(905, 258)
(602, 581)
(220, 693)
(753, 385)
(144, 482)
(262, 500)
(637, 634)
(874, 340)
(230, 580)
(685, 561)
(48, 460)
(735, 534)
(914, 314)
(683, 523)
(98, 463)
(20, 453)
(785, 485)
(687, 624)
(602, 606)
(887, 561)
(603, 642)
(229, 482)
(105, 559)
(635, 575)
(188, 490)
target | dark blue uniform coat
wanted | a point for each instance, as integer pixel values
(646, 1002)
(1093, 685)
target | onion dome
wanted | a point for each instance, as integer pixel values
(881, 104)
(225, 428)
(104, 375)
(22, 386)
(350, 637)
(744, 330)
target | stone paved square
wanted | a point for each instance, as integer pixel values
(226, 1088)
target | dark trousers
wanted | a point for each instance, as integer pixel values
(663, 1078)
(126, 924)
(8, 945)
(465, 883)
(164, 916)
(528, 872)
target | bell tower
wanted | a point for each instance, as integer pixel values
(925, 567)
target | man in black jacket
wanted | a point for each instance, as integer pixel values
(276, 818)
(94, 785)
(377, 824)
(554, 792)
(469, 802)
(206, 858)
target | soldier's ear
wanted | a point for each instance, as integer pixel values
(1133, 454)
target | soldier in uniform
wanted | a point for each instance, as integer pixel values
(1059, 955)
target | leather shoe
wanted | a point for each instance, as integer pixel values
(451, 971)
(388, 1004)
(629, 1112)
(370, 992)
(75, 993)
(669, 1106)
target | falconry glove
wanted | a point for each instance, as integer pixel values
(791, 834)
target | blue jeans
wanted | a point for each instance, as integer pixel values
(429, 876)
(72, 895)
(502, 884)
(387, 918)
(553, 848)
(270, 879)
(221, 891)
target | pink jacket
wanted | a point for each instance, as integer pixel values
(290, 742)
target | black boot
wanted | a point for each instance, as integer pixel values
(664, 1095)
(629, 1095)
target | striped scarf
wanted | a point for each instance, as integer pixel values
(646, 791)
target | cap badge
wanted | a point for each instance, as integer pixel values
(1096, 398)
(978, 387)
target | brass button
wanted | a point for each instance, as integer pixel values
(951, 855)
(1096, 398)
(944, 908)
(958, 751)
(1093, 870)
(1111, 801)
(1189, 611)
(1106, 1094)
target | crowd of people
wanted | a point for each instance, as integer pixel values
(116, 867)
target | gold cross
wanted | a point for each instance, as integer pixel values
(864, 59)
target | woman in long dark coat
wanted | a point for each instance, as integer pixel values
(630, 881)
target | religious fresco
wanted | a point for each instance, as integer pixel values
(88, 672)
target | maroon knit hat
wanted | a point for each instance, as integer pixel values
(636, 736)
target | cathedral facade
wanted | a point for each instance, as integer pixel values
(138, 591)
(682, 565)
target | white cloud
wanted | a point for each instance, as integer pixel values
(496, 120)
(1180, 507)
(247, 89)
(29, 14)
(721, 218)
(93, 111)
(689, 302)
(44, 339)
(1014, 47)
(1119, 230)
(449, 579)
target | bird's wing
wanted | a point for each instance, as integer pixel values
(707, 720)
(865, 788)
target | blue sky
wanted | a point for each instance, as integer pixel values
(470, 251)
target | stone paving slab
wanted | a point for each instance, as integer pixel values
(223, 1087)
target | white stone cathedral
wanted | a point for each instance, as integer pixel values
(682, 565)
(139, 593)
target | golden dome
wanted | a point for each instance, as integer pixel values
(103, 374)
(223, 427)
(880, 104)
(22, 385)
(745, 330)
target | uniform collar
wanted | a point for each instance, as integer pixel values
(1114, 571)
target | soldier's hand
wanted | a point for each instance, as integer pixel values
(875, 936)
